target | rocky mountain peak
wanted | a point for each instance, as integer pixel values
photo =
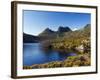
(64, 29)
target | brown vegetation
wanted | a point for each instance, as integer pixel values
(72, 61)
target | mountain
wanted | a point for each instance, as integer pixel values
(47, 34)
(46, 31)
(50, 34)
(27, 38)
(87, 26)
(73, 40)
(87, 30)
(63, 29)
(84, 32)
(61, 33)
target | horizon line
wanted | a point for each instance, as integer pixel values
(57, 29)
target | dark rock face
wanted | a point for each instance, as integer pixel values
(50, 34)
(47, 34)
(64, 29)
(30, 38)
(47, 30)
(87, 26)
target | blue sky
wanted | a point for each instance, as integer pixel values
(34, 22)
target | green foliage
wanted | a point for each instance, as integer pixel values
(72, 57)
(73, 61)
(72, 40)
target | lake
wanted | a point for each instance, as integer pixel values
(34, 54)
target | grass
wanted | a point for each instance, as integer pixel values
(70, 41)
(72, 61)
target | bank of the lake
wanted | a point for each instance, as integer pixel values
(33, 53)
(72, 61)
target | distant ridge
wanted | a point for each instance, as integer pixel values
(62, 32)
(88, 25)
(27, 38)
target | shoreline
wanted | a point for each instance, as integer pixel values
(72, 61)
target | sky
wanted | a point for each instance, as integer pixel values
(34, 22)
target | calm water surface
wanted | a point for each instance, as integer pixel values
(34, 54)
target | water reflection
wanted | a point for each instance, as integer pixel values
(34, 54)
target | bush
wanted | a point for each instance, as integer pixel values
(72, 61)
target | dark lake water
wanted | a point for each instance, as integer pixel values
(34, 54)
